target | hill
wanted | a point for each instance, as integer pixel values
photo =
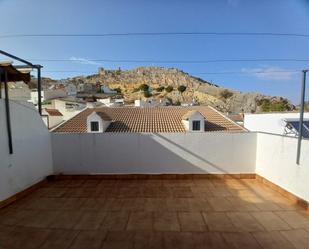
(160, 82)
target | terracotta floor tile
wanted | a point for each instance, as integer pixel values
(88, 240)
(177, 204)
(166, 221)
(283, 203)
(140, 221)
(5, 236)
(294, 219)
(220, 191)
(245, 222)
(106, 192)
(198, 205)
(90, 221)
(93, 204)
(218, 221)
(66, 219)
(209, 240)
(179, 213)
(179, 240)
(55, 192)
(39, 219)
(129, 192)
(75, 183)
(60, 239)
(72, 203)
(265, 205)
(201, 192)
(133, 204)
(81, 192)
(13, 217)
(272, 240)
(240, 204)
(241, 241)
(115, 221)
(205, 183)
(148, 240)
(153, 183)
(155, 204)
(91, 183)
(270, 221)
(113, 204)
(27, 238)
(182, 192)
(191, 221)
(121, 235)
(117, 245)
(299, 238)
(220, 204)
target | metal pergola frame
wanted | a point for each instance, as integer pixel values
(301, 115)
(5, 79)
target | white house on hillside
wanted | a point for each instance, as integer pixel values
(71, 89)
(51, 117)
(47, 94)
(106, 89)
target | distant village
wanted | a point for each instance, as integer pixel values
(64, 100)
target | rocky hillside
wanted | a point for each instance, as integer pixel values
(180, 87)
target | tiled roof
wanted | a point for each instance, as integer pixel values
(188, 114)
(53, 112)
(152, 119)
(104, 116)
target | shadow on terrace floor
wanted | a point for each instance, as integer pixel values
(154, 213)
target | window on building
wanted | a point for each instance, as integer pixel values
(94, 126)
(196, 125)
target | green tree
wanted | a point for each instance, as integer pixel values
(160, 89)
(226, 94)
(144, 87)
(169, 89)
(181, 88)
(147, 94)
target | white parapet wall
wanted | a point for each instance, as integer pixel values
(269, 122)
(276, 161)
(31, 160)
(123, 153)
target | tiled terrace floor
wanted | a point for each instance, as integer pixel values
(167, 214)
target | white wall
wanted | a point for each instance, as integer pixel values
(269, 122)
(154, 153)
(32, 159)
(276, 161)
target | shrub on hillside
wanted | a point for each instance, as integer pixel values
(226, 94)
(181, 88)
(169, 89)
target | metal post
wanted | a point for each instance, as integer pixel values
(7, 112)
(39, 91)
(301, 115)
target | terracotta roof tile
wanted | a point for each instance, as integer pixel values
(53, 112)
(150, 120)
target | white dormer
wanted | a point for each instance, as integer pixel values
(194, 121)
(97, 122)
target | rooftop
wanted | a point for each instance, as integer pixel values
(154, 213)
(151, 119)
(53, 112)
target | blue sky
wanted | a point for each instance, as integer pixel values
(118, 16)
